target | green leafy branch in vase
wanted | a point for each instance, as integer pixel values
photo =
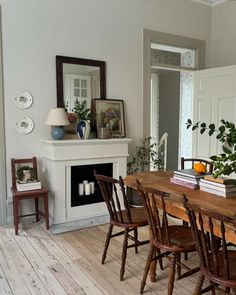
(224, 163)
(146, 156)
(81, 110)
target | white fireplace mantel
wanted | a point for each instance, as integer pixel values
(58, 158)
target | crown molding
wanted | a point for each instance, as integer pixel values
(210, 2)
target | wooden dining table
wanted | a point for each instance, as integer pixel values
(161, 180)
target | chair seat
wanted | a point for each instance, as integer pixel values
(180, 237)
(29, 193)
(232, 265)
(138, 218)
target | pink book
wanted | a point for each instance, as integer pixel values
(184, 183)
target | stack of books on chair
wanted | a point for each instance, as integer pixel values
(28, 186)
(187, 177)
(225, 187)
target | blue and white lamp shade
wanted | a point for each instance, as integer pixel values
(57, 118)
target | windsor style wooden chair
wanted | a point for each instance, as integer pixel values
(184, 164)
(121, 215)
(170, 239)
(217, 263)
(183, 161)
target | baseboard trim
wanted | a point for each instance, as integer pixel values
(79, 224)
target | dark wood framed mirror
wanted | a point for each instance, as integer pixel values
(79, 79)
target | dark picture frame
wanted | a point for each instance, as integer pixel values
(110, 113)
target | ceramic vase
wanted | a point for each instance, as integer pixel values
(83, 129)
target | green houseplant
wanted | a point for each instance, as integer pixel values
(80, 118)
(21, 173)
(147, 157)
(82, 112)
(224, 163)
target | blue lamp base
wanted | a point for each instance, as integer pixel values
(57, 132)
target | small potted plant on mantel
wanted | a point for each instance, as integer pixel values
(80, 116)
(224, 163)
(147, 157)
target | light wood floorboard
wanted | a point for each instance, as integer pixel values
(39, 262)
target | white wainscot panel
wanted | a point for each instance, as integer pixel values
(204, 115)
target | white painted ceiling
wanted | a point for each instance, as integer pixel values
(210, 2)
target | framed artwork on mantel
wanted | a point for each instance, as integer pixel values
(110, 114)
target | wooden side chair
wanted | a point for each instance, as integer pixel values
(209, 165)
(30, 194)
(218, 264)
(121, 215)
(209, 168)
(170, 239)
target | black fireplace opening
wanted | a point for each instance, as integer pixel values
(84, 188)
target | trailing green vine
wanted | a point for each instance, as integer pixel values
(224, 163)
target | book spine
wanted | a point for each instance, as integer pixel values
(219, 180)
(185, 175)
(217, 184)
(190, 180)
(216, 192)
(218, 188)
(184, 183)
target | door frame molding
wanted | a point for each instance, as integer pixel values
(150, 36)
(3, 190)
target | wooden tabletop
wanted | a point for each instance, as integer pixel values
(174, 205)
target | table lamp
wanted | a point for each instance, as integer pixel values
(57, 118)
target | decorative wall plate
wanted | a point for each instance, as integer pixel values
(25, 125)
(24, 100)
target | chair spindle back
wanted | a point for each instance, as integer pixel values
(113, 192)
(213, 257)
(157, 218)
(209, 165)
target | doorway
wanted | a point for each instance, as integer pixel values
(168, 84)
(166, 111)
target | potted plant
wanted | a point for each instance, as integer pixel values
(147, 157)
(83, 116)
(81, 111)
(224, 163)
(25, 173)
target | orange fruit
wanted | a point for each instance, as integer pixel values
(199, 168)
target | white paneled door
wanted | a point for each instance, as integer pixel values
(214, 99)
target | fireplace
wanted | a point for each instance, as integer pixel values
(82, 177)
(66, 164)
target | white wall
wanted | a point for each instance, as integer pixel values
(35, 31)
(223, 45)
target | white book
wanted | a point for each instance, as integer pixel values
(187, 179)
(217, 192)
(218, 186)
(190, 173)
(28, 186)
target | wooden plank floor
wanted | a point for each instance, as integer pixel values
(38, 262)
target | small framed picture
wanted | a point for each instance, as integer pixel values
(110, 114)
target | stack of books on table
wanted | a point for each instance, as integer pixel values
(225, 187)
(187, 177)
(28, 186)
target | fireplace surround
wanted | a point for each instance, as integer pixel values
(62, 159)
